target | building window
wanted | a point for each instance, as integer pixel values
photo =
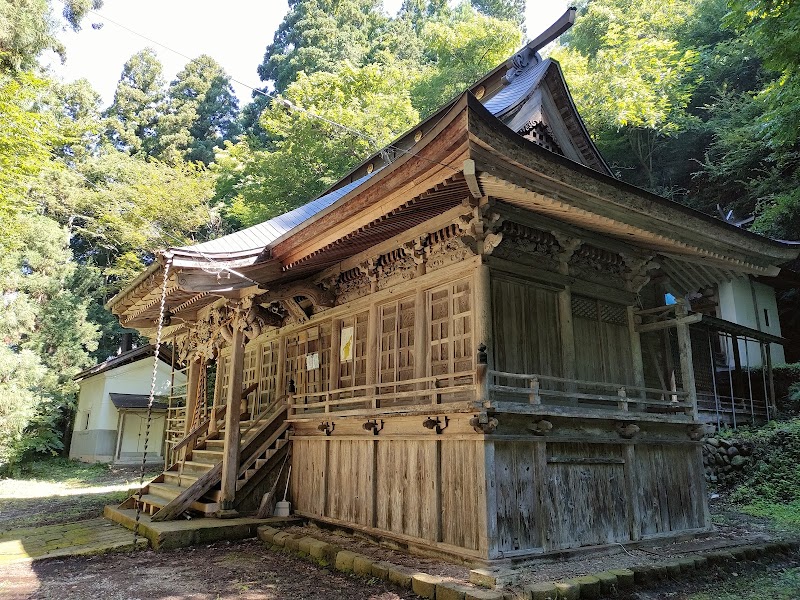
(86, 424)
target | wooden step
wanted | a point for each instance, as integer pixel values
(180, 479)
(211, 457)
(167, 491)
(199, 468)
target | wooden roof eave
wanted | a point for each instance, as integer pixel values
(498, 151)
(402, 179)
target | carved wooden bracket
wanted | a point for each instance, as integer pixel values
(568, 246)
(639, 268)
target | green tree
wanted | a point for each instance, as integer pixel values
(27, 28)
(631, 77)
(460, 46)
(201, 113)
(138, 106)
(46, 336)
(505, 10)
(320, 35)
(309, 154)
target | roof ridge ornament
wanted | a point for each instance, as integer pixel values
(530, 53)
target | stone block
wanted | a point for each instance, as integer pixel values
(473, 594)
(673, 568)
(542, 591)
(292, 543)
(608, 582)
(344, 561)
(643, 574)
(279, 539)
(266, 533)
(687, 565)
(400, 577)
(318, 550)
(362, 565)
(660, 572)
(589, 586)
(625, 578)
(483, 577)
(568, 590)
(304, 544)
(450, 591)
(424, 585)
(381, 570)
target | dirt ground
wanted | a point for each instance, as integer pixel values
(241, 570)
(247, 570)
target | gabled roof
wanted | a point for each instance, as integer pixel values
(423, 176)
(131, 356)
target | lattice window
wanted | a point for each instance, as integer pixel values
(584, 307)
(268, 375)
(308, 355)
(397, 341)
(451, 349)
(224, 364)
(598, 310)
(353, 359)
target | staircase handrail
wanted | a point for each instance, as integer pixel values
(270, 407)
(193, 434)
(250, 456)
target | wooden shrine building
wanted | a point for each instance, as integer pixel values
(465, 341)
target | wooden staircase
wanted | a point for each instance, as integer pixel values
(193, 483)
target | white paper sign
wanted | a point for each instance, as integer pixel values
(312, 361)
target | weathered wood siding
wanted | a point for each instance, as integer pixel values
(669, 478)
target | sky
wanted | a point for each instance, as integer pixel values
(234, 33)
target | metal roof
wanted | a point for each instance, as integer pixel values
(261, 235)
(145, 352)
(520, 88)
(138, 401)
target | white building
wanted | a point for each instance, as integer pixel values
(111, 419)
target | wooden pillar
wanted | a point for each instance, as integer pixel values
(421, 344)
(373, 349)
(567, 340)
(772, 402)
(685, 353)
(280, 369)
(230, 456)
(192, 387)
(120, 427)
(567, 333)
(484, 333)
(334, 368)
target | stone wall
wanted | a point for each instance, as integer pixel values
(725, 460)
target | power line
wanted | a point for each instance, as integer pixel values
(287, 103)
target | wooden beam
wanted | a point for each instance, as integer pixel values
(230, 457)
(685, 353)
(192, 388)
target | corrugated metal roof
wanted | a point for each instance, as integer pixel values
(259, 236)
(519, 88)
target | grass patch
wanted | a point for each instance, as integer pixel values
(780, 585)
(783, 515)
(64, 471)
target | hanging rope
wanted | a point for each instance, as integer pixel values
(161, 312)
